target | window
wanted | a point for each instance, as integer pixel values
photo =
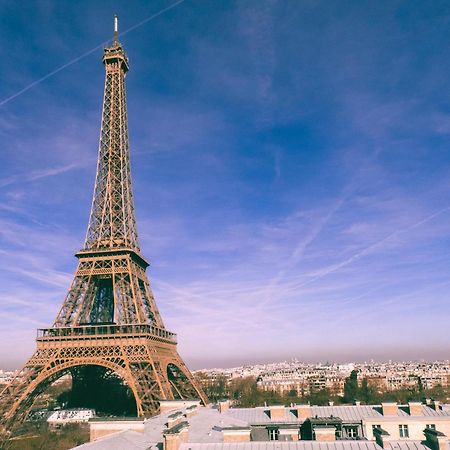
(273, 434)
(431, 426)
(352, 432)
(404, 432)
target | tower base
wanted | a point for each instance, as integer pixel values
(143, 356)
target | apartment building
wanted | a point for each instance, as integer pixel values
(186, 425)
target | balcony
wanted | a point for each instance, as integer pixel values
(103, 331)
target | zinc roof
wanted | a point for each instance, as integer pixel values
(205, 430)
(411, 445)
(348, 413)
(281, 445)
(129, 440)
(427, 411)
(205, 426)
(259, 415)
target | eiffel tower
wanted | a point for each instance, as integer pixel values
(109, 317)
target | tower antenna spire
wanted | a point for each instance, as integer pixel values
(116, 28)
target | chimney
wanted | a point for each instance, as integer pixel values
(99, 428)
(288, 434)
(174, 419)
(303, 411)
(382, 438)
(224, 405)
(357, 403)
(175, 405)
(415, 409)
(175, 436)
(236, 434)
(191, 411)
(389, 408)
(276, 412)
(330, 403)
(435, 440)
(324, 433)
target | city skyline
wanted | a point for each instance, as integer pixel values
(290, 173)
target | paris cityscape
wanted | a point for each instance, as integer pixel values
(193, 192)
(291, 375)
(303, 377)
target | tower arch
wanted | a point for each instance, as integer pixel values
(47, 376)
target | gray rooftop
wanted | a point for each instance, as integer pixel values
(205, 426)
(305, 445)
(280, 445)
(205, 429)
(411, 445)
(348, 413)
(123, 440)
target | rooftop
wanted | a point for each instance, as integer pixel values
(347, 413)
(207, 423)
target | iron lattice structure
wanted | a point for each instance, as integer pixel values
(109, 317)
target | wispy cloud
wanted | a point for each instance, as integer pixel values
(37, 175)
(290, 172)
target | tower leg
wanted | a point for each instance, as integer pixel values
(152, 373)
(182, 382)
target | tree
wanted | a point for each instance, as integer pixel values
(367, 393)
(293, 393)
(351, 390)
(321, 397)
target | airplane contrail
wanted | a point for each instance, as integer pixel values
(92, 50)
(363, 252)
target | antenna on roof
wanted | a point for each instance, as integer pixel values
(116, 28)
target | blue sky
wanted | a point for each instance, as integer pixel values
(291, 169)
